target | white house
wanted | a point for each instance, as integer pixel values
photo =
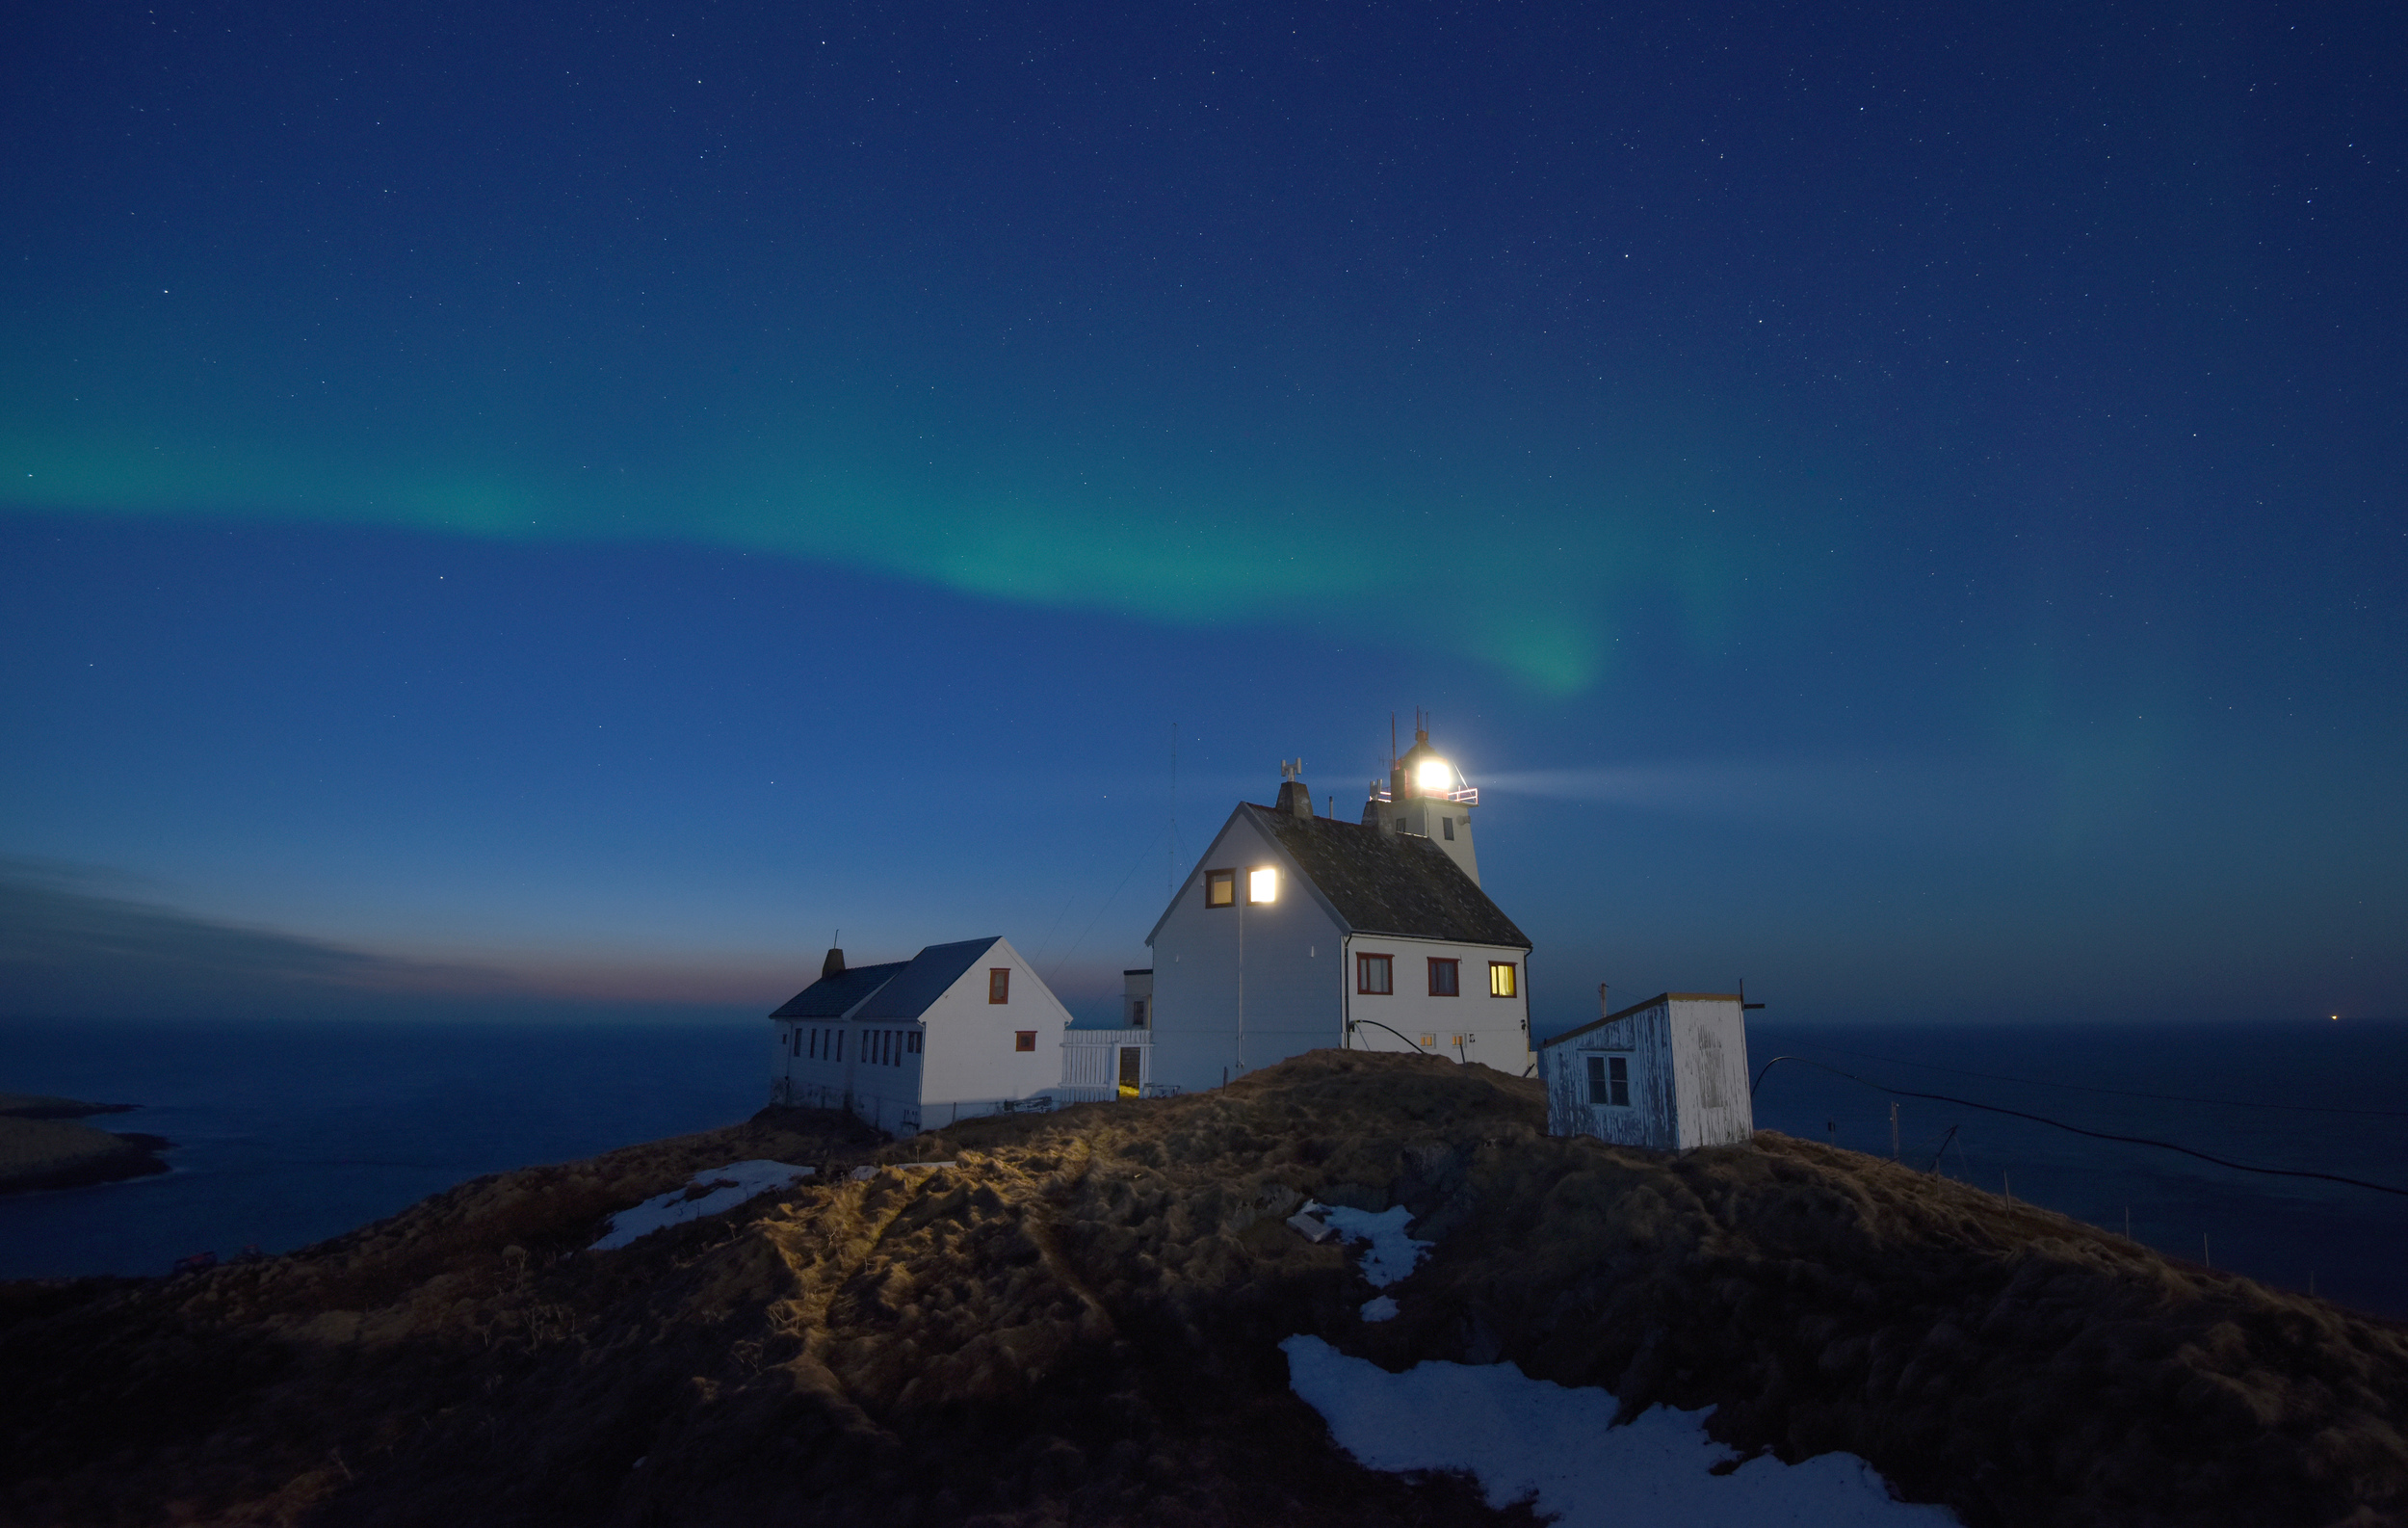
(1297, 932)
(958, 1030)
(1669, 1073)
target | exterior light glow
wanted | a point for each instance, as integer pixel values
(1434, 775)
(1262, 885)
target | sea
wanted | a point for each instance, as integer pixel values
(287, 1134)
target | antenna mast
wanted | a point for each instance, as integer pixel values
(1170, 851)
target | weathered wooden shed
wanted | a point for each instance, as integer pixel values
(1669, 1073)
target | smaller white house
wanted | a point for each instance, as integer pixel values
(1669, 1073)
(958, 1030)
(1114, 1061)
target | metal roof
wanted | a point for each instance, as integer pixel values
(1656, 1001)
(1384, 882)
(832, 997)
(928, 976)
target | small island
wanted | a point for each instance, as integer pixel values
(1099, 1315)
(41, 1146)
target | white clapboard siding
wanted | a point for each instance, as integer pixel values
(1687, 1055)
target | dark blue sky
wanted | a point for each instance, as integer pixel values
(506, 503)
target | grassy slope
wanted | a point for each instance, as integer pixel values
(1079, 1324)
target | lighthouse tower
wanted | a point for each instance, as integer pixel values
(1426, 796)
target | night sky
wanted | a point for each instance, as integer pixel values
(560, 508)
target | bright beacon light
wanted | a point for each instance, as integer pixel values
(1262, 885)
(1434, 775)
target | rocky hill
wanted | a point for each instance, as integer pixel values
(1077, 1322)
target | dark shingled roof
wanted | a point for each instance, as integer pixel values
(830, 996)
(926, 978)
(1390, 882)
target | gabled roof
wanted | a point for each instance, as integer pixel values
(1382, 882)
(832, 997)
(926, 977)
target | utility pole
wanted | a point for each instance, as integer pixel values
(1893, 1129)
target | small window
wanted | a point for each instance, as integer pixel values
(839, 1045)
(1262, 884)
(1374, 974)
(1502, 981)
(815, 1044)
(1430, 1042)
(1445, 826)
(1024, 1039)
(999, 985)
(1446, 977)
(1609, 1080)
(912, 1044)
(1221, 889)
(1136, 1013)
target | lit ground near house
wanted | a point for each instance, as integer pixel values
(1081, 1319)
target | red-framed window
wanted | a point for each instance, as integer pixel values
(999, 985)
(1446, 977)
(1375, 974)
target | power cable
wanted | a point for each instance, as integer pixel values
(2120, 1092)
(2094, 1135)
(1143, 854)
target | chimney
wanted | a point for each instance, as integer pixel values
(833, 966)
(1295, 798)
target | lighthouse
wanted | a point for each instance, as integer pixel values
(1426, 796)
(1296, 932)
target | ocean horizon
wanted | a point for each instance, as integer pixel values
(289, 1133)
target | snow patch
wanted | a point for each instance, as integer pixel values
(1393, 1254)
(1524, 1437)
(725, 1188)
(1381, 1308)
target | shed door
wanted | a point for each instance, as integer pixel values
(1132, 1059)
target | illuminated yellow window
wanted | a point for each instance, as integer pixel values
(1221, 889)
(1501, 979)
(1262, 884)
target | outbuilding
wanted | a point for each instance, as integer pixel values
(958, 1030)
(1669, 1073)
(1104, 1062)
